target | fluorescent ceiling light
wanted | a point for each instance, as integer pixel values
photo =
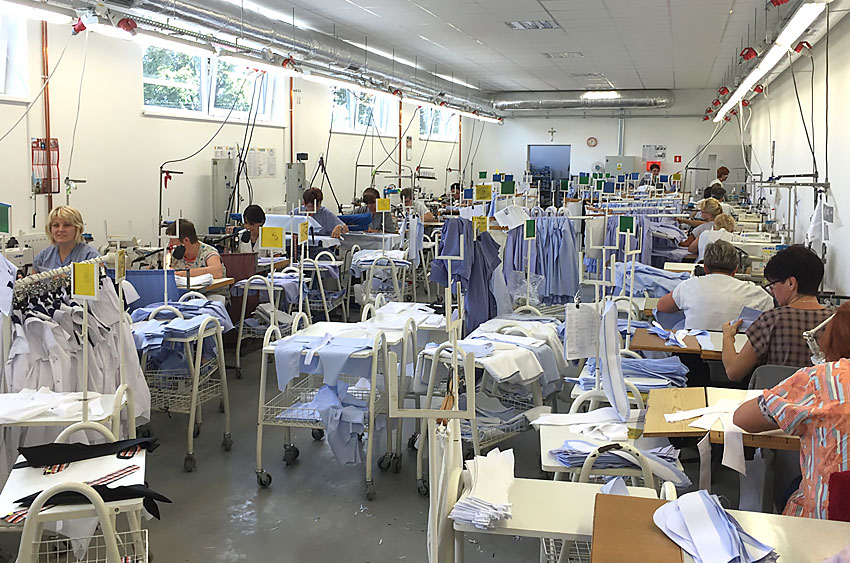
(451, 110)
(601, 95)
(255, 63)
(338, 83)
(803, 18)
(455, 80)
(147, 38)
(109, 30)
(383, 53)
(30, 11)
(271, 14)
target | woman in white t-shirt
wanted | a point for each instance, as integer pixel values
(724, 227)
(712, 300)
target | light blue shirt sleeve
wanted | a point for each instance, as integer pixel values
(49, 259)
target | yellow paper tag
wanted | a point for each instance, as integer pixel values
(303, 232)
(480, 224)
(272, 237)
(383, 205)
(121, 265)
(483, 192)
(84, 281)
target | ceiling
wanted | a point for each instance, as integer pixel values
(670, 44)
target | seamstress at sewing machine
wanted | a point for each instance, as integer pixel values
(331, 224)
(379, 220)
(197, 257)
(812, 404)
(418, 207)
(794, 275)
(253, 217)
(64, 228)
(709, 209)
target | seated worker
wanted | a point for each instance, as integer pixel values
(64, 228)
(331, 225)
(253, 217)
(379, 220)
(712, 300)
(724, 228)
(719, 193)
(709, 210)
(456, 191)
(198, 257)
(811, 404)
(418, 207)
(655, 170)
(776, 337)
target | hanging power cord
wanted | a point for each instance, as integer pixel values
(430, 130)
(468, 154)
(37, 96)
(390, 153)
(803, 115)
(242, 154)
(79, 102)
(449, 161)
(480, 134)
(717, 129)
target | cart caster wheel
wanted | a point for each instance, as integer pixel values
(189, 464)
(264, 479)
(422, 487)
(370, 491)
(221, 406)
(384, 462)
(238, 373)
(395, 464)
(411, 442)
(317, 434)
(143, 431)
(197, 430)
(290, 454)
(227, 442)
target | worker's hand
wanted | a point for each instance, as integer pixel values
(373, 231)
(337, 232)
(730, 329)
(180, 273)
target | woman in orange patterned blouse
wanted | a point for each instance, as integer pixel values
(813, 404)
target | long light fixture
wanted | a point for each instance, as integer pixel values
(147, 38)
(30, 11)
(449, 109)
(601, 95)
(338, 83)
(803, 18)
(253, 62)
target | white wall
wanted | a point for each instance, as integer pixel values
(119, 151)
(780, 113)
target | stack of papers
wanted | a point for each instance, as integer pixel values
(698, 524)
(661, 460)
(487, 484)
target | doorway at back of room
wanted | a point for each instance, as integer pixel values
(548, 165)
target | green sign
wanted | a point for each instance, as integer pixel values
(565, 184)
(530, 229)
(584, 180)
(482, 175)
(5, 219)
(508, 188)
(627, 224)
(599, 184)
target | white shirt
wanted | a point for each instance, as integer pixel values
(707, 237)
(727, 208)
(712, 300)
(420, 208)
(246, 247)
(716, 181)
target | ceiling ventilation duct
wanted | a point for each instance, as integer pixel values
(312, 49)
(582, 100)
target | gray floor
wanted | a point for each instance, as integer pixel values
(314, 511)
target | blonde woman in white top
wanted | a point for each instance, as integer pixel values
(724, 228)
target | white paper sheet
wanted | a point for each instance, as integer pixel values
(511, 217)
(582, 332)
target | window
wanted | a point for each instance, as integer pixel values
(207, 86)
(172, 79)
(357, 112)
(443, 124)
(13, 56)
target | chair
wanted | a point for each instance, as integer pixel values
(768, 376)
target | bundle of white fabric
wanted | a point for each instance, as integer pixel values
(487, 484)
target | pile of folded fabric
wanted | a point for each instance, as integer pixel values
(662, 460)
(487, 484)
(698, 524)
(189, 309)
(362, 259)
(648, 281)
(645, 374)
(287, 282)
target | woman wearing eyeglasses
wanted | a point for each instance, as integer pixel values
(776, 337)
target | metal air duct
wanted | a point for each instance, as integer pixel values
(582, 100)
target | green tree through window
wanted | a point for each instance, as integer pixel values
(172, 79)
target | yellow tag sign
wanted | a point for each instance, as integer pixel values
(480, 225)
(303, 232)
(121, 266)
(84, 281)
(483, 192)
(271, 238)
(383, 205)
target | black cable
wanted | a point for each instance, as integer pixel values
(427, 139)
(449, 161)
(328, 150)
(242, 164)
(481, 134)
(702, 150)
(466, 162)
(247, 147)
(802, 114)
(812, 118)
(389, 154)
